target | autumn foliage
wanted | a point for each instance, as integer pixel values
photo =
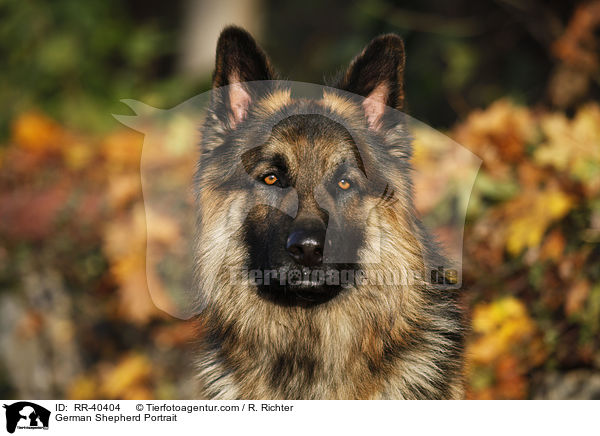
(73, 240)
(532, 255)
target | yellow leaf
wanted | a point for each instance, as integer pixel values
(83, 388)
(572, 145)
(501, 327)
(129, 375)
(78, 155)
(531, 215)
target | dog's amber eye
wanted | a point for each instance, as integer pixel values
(344, 184)
(270, 179)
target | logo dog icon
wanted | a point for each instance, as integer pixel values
(26, 415)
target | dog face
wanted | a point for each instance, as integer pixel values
(307, 226)
(313, 174)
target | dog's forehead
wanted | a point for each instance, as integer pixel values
(311, 141)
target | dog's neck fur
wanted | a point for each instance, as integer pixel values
(349, 360)
(255, 349)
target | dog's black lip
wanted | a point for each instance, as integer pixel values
(309, 284)
(302, 295)
(305, 293)
(291, 296)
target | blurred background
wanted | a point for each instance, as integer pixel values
(515, 82)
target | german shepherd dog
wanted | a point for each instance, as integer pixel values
(284, 185)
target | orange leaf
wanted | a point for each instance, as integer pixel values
(37, 133)
(576, 296)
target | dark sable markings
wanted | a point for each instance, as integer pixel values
(290, 365)
(256, 157)
(391, 351)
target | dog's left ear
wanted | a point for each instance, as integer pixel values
(378, 74)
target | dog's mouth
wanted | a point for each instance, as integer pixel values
(305, 287)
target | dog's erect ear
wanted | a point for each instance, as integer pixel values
(239, 60)
(377, 74)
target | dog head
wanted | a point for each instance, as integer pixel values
(293, 187)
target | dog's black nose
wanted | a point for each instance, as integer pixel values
(306, 246)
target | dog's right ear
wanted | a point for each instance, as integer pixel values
(239, 60)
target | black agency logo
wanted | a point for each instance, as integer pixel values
(26, 415)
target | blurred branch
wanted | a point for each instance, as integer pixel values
(578, 45)
(538, 20)
(430, 23)
(577, 50)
